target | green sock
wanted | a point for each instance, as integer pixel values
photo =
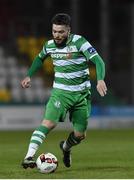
(37, 139)
(39, 135)
(43, 129)
(71, 141)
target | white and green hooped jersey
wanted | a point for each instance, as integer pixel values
(70, 63)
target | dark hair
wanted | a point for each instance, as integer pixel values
(61, 19)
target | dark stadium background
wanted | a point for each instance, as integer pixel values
(108, 25)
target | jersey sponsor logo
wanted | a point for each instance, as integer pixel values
(61, 56)
(91, 50)
(56, 55)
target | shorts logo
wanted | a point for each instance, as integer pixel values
(57, 104)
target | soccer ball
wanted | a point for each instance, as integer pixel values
(47, 163)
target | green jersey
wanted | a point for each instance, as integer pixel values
(70, 63)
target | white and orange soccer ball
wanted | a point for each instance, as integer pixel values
(47, 163)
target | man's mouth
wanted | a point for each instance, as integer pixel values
(58, 40)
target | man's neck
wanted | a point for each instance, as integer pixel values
(65, 42)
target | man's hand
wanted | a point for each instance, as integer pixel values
(25, 83)
(101, 88)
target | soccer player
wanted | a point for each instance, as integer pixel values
(71, 88)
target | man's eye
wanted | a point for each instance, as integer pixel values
(60, 32)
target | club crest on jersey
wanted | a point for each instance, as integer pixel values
(71, 49)
(91, 50)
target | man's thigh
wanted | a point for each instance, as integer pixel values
(79, 115)
(55, 109)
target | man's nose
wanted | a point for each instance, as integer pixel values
(56, 35)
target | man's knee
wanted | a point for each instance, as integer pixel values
(75, 138)
(80, 135)
(49, 124)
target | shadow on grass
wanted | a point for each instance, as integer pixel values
(95, 168)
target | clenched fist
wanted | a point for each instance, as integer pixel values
(25, 83)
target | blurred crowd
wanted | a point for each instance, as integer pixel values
(26, 25)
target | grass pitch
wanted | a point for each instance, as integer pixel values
(107, 154)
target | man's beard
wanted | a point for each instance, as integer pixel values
(62, 44)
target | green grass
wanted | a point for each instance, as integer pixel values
(107, 154)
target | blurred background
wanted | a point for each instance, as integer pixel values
(24, 27)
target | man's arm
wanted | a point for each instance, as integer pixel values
(91, 54)
(36, 65)
(100, 69)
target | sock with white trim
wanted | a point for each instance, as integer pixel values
(37, 139)
(71, 141)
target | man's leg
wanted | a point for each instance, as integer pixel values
(73, 139)
(79, 118)
(37, 139)
(54, 111)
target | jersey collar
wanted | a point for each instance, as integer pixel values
(69, 39)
